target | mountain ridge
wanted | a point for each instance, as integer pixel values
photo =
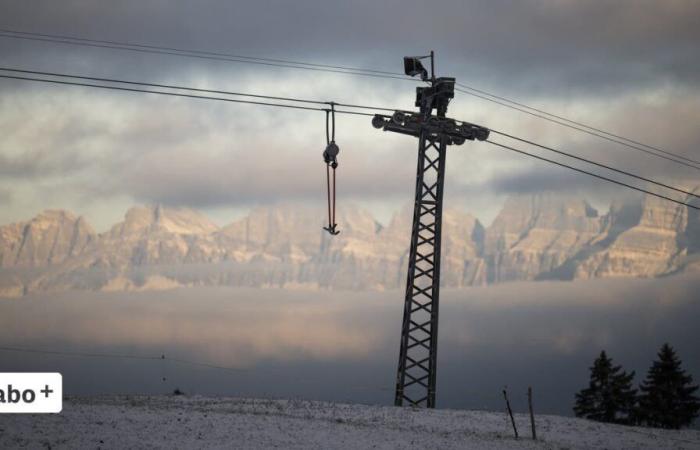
(534, 237)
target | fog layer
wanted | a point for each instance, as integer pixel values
(344, 345)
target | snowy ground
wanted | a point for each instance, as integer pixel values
(199, 422)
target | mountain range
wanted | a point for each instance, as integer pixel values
(534, 237)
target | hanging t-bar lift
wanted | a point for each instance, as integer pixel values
(330, 157)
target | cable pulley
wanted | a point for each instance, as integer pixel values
(330, 156)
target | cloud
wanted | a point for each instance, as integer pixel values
(5, 196)
(204, 154)
(619, 66)
(592, 48)
(542, 179)
(539, 334)
(185, 178)
(192, 153)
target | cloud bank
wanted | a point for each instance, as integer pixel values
(626, 66)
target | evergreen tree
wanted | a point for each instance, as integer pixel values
(667, 399)
(609, 396)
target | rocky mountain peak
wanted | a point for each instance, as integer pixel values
(52, 216)
(643, 236)
(296, 231)
(49, 238)
(149, 219)
(545, 210)
(540, 236)
(535, 234)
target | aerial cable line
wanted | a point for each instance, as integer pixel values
(604, 166)
(307, 108)
(237, 59)
(211, 91)
(20, 34)
(113, 80)
(541, 158)
(158, 85)
(678, 161)
(119, 356)
(318, 102)
(593, 131)
(178, 94)
(81, 354)
(580, 124)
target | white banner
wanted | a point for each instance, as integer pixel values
(31, 392)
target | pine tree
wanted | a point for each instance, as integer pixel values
(667, 399)
(609, 396)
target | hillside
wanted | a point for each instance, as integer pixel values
(534, 237)
(198, 422)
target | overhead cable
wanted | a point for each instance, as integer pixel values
(580, 124)
(604, 166)
(19, 34)
(118, 356)
(81, 354)
(668, 158)
(158, 85)
(178, 94)
(287, 63)
(507, 147)
(198, 54)
(186, 88)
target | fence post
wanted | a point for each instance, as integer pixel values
(510, 413)
(532, 415)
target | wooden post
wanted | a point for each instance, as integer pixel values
(532, 415)
(510, 413)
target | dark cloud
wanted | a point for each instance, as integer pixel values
(536, 179)
(541, 179)
(592, 47)
(595, 59)
(548, 178)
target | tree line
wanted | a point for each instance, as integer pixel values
(665, 399)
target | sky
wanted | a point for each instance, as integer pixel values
(631, 67)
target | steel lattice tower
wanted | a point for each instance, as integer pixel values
(415, 380)
(417, 369)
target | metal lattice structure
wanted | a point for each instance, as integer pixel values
(415, 380)
(417, 369)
